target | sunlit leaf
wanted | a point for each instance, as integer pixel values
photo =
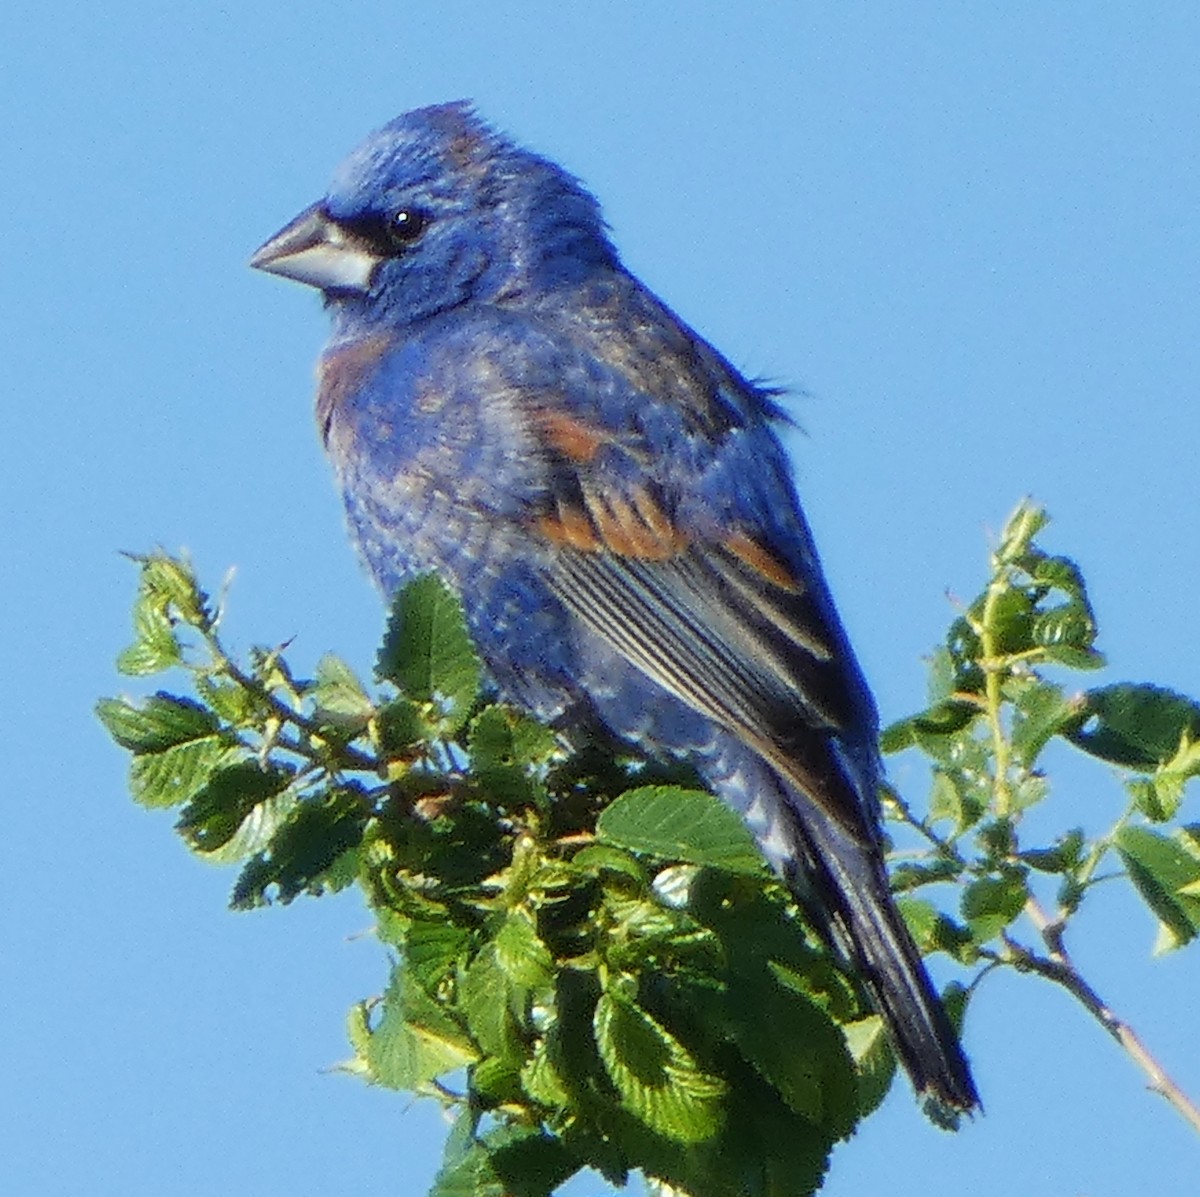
(680, 825)
(428, 652)
(659, 1081)
(1163, 869)
(1139, 726)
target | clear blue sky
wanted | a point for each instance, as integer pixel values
(966, 235)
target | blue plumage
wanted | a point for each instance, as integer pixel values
(505, 404)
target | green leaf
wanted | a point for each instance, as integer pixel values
(541, 1080)
(503, 737)
(943, 719)
(497, 741)
(522, 956)
(1067, 854)
(173, 581)
(1042, 712)
(175, 775)
(680, 825)
(401, 728)
(1022, 526)
(1061, 574)
(507, 1162)
(602, 860)
(874, 1060)
(1165, 873)
(815, 1074)
(1012, 615)
(1139, 726)
(1160, 797)
(1074, 658)
(339, 697)
(230, 701)
(161, 722)
(432, 949)
(427, 651)
(933, 931)
(414, 1041)
(952, 800)
(991, 903)
(233, 810)
(1067, 625)
(304, 850)
(487, 1000)
(659, 1081)
(155, 646)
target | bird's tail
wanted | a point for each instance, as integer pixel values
(845, 888)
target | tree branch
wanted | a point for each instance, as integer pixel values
(1058, 967)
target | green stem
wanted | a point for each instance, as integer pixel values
(994, 669)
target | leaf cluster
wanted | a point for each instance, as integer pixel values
(997, 702)
(590, 965)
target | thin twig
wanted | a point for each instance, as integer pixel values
(1058, 967)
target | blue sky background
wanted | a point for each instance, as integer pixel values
(967, 236)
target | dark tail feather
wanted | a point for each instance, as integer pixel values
(845, 887)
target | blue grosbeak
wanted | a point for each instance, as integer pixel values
(506, 405)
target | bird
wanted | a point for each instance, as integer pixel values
(509, 407)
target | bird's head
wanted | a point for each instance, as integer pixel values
(436, 209)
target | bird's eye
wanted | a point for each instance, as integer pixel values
(405, 226)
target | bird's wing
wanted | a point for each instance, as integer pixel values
(659, 546)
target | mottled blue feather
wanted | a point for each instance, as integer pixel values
(505, 404)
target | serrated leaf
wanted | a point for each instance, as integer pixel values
(147, 656)
(414, 1042)
(427, 651)
(161, 722)
(1139, 726)
(496, 1080)
(256, 830)
(1042, 712)
(502, 737)
(1059, 573)
(1064, 856)
(1067, 625)
(155, 646)
(991, 903)
(911, 875)
(658, 1080)
(522, 956)
(603, 858)
(874, 1061)
(431, 950)
(541, 1080)
(1162, 870)
(487, 1001)
(1021, 527)
(1074, 658)
(952, 799)
(339, 697)
(232, 702)
(934, 931)
(301, 853)
(507, 1162)
(174, 581)
(942, 719)
(815, 1075)
(1012, 619)
(675, 824)
(232, 797)
(401, 729)
(1160, 796)
(176, 774)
